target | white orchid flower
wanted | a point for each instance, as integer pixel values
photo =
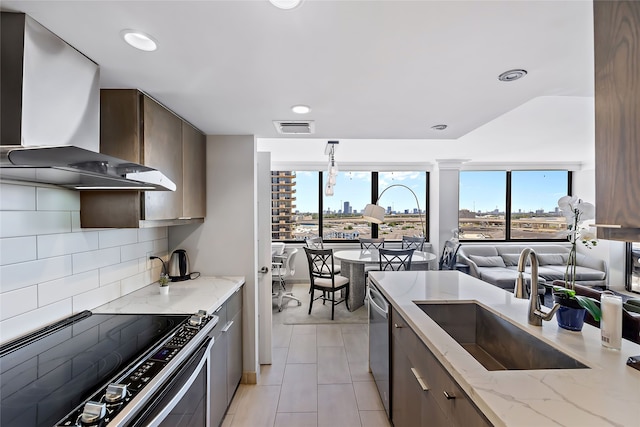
(586, 210)
(587, 234)
(566, 203)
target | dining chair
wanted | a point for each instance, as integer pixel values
(416, 243)
(324, 279)
(372, 243)
(318, 243)
(448, 258)
(395, 259)
(283, 267)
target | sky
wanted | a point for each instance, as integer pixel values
(485, 191)
(481, 191)
(355, 187)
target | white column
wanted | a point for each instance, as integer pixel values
(448, 180)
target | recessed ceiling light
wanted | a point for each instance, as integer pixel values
(511, 75)
(439, 127)
(285, 4)
(139, 40)
(301, 109)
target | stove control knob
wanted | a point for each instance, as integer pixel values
(115, 393)
(195, 320)
(93, 412)
(202, 313)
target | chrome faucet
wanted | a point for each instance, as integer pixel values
(536, 315)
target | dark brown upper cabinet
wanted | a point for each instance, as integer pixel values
(135, 127)
(617, 119)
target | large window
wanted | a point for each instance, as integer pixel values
(518, 205)
(300, 209)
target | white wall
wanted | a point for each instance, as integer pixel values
(226, 243)
(50, 268)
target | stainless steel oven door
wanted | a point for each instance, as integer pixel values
(183, 399)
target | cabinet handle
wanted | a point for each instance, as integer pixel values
(449, 396)
(218, 309)
(227, 326)
(423, 385)
(606, 225)
(395, 325)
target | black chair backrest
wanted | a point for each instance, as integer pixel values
(372, 243)
(448, 258)
(395, 259)
(320, 263)
(314, 243)
(416, 243)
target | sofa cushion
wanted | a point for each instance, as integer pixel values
(583, 274)
(553, 259)
(487, 261)
(504, 278)
(512, 259)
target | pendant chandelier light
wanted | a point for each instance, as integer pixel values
(332, 168)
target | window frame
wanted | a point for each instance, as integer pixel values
(508, 208)
(373, 200)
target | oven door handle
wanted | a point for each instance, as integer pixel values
(179, 394)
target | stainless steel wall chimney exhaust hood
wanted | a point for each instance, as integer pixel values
(50, 115)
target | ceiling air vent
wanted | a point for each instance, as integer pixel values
(295, 127)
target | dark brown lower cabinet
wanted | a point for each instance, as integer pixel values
(422, 392)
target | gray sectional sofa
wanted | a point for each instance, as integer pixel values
(498, 264)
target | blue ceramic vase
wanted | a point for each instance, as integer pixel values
(570, 318)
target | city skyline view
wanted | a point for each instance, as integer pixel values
(483, 192)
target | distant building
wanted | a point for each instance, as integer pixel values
(346, 208)
(282, 204)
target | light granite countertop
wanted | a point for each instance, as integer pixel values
(187, 297)
(607, 394)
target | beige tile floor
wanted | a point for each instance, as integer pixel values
(319, 377)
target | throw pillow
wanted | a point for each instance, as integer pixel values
(511, 259)
(553, 259)
(487, 261)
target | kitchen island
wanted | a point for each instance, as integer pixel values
(607, 392)
(186, 297)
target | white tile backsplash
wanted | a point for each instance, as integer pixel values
(119, 271)
(17, 197)
(29, 223)
(32, 320)
(17, 249)
(54, 199)
(139, 250)
(68, 286)
(50, 268)
(96, 297)
(67, 243)
(91, 260)
(18, 302)
(20, 275)
(119, 237)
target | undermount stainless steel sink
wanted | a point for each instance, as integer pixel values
(495, 342)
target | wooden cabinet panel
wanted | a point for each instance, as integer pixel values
(194, 163)
(135, 127)
(162, 151)
(406, 392)
(234, 342)
(617, 118)
(434, 405)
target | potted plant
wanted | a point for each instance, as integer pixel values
(164, 283)
(570, 315)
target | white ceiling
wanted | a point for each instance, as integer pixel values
(372, 72)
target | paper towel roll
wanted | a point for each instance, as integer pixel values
(611, 321)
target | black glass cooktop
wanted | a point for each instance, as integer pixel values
(45, 376)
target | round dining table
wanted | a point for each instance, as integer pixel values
(352, 265)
